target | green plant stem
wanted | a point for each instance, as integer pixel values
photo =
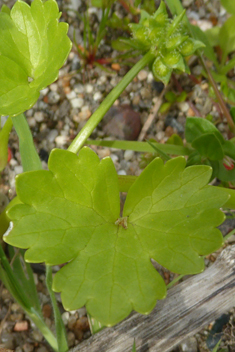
(29, 156)
(179, 277)
(229, 235)
(60, 329)
(86, 131)
(4, 137)
(218, 95)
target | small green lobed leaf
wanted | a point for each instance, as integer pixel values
(71, 214)
(33, 47)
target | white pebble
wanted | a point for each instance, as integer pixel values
(101, 80)
(150, 77)
(183, 106)
(65, 317)
(18, 169)
(71, 95)
(79, 88)
(97, 96)
(31, 121)
(61, 140)
(142, 75)
(13, 162)
(39, 116)
(114, 158)
(89, 88)
(77, 103)
(128, 154)
(52, 135)
(53, 87)
(122, 172)
(44, 91)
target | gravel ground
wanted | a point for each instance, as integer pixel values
(63, 109)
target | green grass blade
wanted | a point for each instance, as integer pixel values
(142, 146)
(29, 157)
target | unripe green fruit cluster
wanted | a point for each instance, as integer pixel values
(167, 39)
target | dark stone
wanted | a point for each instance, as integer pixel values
(158, 86)
(171, 121)
(122, 122)
(43, 155)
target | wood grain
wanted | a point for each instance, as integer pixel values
(188, 307)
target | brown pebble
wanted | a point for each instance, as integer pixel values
(21, 326)
(116, 66)
(166, 277)
(190, 112)
(122, 122)
(46, 310)
(169, 131)
(82, 324)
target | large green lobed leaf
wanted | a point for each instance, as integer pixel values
(71, 213)
(33, 47)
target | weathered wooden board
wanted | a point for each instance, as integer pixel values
(188, 307)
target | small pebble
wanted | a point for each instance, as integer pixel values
(71, 95)
(52, 135)
(21, 326)
(65, 317)
(39, 116)
(142, 75)
(189, 345)
(79, 88)
(197, 70)
(18, 169)
(53, 97)
(42, 349)
(61, 140)
(37, 335)
(44, 91)
(187, 3)
(32, 122)
(183, 106)
(103, 152)
(128, 154)
(89, 88)
(54, 87)
(71, 338)
(97, 96)
(136, 100)
(122, 172)
(116, 67)
(114, 158)
(101, 80)
(150, 77)
(28, 347)
(77, 102)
